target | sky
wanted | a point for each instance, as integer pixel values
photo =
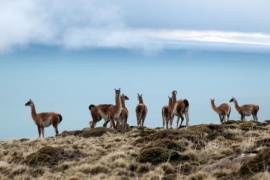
(66, 55)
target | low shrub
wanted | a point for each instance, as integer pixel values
(158, 155)
(259, 163)
(167, 144)
(97, 132)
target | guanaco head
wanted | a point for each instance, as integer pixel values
(91, 106)
(212, 100)
(29, 103)
(140, 98)
(117, 91)
(125, 97)
(174, 92)
(232, 99)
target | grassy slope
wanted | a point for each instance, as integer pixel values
(232, 151)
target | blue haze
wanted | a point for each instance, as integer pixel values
(69, 81)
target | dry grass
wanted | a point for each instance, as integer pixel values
(197, 152)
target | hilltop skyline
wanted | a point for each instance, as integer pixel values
(66, 55)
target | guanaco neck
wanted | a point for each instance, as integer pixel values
(213, 105)
(33, 111)
(123, 101)
(118, 101)
(170, 103)
(140, 100)
(236, 105)
(173, 98)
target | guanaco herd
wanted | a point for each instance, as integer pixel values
(117, 114)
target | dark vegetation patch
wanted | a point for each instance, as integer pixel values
(170, 134)
(143, 168)
(96, 170)
(169, 177)
(188, 168)
(48, 156)
(198, 176)
(168, 168)
(231, 122)
(246, 126)
(144, 132)
(97, 132)
(197, 134)
(15, 157)
(4, 170)
(266, 122)
(99, 169)
(71, 133)
(17, 172)
(167, 144)
(252, 125)
(204, 128)
(258, 163)
(23, 140)
(226, 135)
(87, 132)
(37, 172)
(158, 155)
(141, 132)
(220, 174)
(263, 142)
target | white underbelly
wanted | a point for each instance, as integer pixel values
(117, 114)
(46, 122)
(103, 115)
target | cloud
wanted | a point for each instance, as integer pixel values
(215, 37)
(98, 24)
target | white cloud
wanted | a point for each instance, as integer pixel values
(216, 37)
(97, 24)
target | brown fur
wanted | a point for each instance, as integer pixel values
(223, 110)
(43, 120)
(98, 112)
(180, 107)
(124, 113)
(122, 122)
(167, 114)
(246, 110)
(141, 111)
(115, 110)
